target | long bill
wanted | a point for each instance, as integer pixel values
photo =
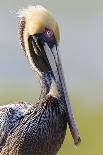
(55, 63)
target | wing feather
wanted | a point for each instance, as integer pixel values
(10, 117)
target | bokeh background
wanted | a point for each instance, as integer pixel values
(81, 25)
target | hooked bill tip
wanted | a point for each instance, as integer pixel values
(77, 142)
(75, 135)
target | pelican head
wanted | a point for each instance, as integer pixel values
(39, 37)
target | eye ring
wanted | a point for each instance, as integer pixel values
(49, 33)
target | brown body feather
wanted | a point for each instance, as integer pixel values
(40, 132)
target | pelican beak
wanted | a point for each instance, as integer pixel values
(39, 35)
(46, 58)
(55, 63)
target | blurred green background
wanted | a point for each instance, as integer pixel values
(81, 26)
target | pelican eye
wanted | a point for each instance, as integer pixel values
(49, 37)
(49, 33)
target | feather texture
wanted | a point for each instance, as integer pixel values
(34, 130)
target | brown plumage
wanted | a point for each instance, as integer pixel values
(39, 129)
(40, 132)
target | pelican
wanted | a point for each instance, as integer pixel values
(39, 129)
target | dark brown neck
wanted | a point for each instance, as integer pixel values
(45, 82)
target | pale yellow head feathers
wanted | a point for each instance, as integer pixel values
(37, 19)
